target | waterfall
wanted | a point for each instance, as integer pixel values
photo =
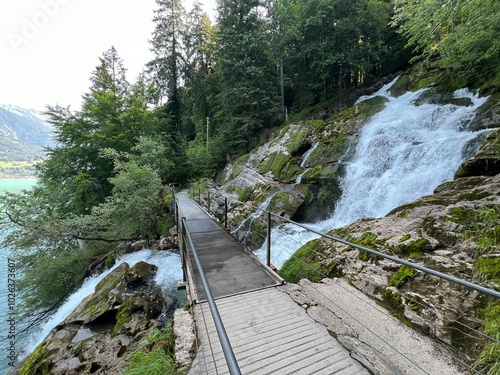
(169, 271)
(303, 161)
(404, 152)
(257, 213)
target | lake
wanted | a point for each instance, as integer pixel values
(12, 186)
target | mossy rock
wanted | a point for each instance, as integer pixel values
(288, 203)
(102, 300)
(401, 276)
(284, 167)
(125, 312)
(415, 79)
(486, 162)
(37, 363)
(298, 142)
(412, 249)
(367, 108)
(312, 175)
(393, 300)
(256, 234)
(310, 262)
(140, 274)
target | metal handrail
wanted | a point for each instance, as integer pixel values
(416, 266)
(399, 260)
(232, 364)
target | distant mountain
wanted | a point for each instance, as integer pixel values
(23, 134)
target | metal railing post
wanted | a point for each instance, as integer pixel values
(199, 195)
(268, 239)
(208, 200)
(225, 212)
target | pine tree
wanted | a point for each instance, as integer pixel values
(248, 79)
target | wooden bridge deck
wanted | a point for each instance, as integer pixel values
(228, 267)
(269, 332)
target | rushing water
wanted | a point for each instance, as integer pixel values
(169, 271)
(404, 152)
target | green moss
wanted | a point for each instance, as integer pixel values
(318, 124)
(125, 311)
(413, 248)
(401, 276)
(312, 175)
(297, 141)
(309, 262)
(488, 269)
(37, 363)
(473, 196)
(369, 240)
(393, 300)
(461, 215)
(303, 264)
(480, 225)
(406, 237)
(404, 214)
(244, 194)
(428, 225)
(488, 361)
(283, 166)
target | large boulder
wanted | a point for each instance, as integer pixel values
(106, 325)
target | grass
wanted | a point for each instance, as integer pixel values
(156, 354)
(482, 226)
(488, 361)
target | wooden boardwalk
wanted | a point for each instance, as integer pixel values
(228, 267)
(269, 332)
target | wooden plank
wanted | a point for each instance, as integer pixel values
(271, 335)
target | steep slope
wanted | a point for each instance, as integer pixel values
(23, 134)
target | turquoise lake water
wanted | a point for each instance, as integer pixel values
(13, 186)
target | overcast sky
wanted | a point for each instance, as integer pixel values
(50, 47)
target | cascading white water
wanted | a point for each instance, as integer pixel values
(169, 271)
(403, 153)
(258, 212)
(303, 161)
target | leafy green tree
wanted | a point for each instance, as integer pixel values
(55, 247)
(459, 35)
(330, 45)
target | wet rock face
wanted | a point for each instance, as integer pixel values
(104, 327)
(487, 160)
